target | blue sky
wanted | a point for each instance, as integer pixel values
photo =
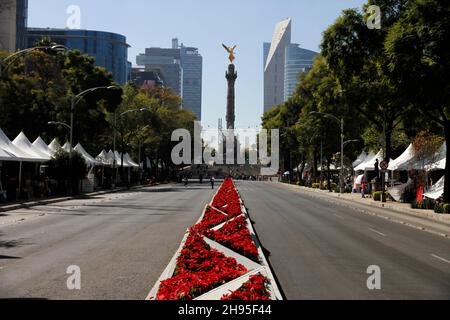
(204, 24)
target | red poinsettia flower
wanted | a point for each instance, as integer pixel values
(255, 289)
(200, 268)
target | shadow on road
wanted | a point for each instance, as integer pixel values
(9, 258)
(9, 244)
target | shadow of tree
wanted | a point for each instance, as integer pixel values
(8, 244)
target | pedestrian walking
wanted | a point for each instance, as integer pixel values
(212, 180)
(363, 189)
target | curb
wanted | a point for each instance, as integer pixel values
(445, 219)
(349, 203)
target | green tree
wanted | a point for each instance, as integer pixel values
(62, 163)
(37, 88)
(146, 118)
(356, 56)
(417, 49)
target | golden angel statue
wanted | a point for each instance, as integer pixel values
(230, 50)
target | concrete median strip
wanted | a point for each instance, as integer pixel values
(253, 268)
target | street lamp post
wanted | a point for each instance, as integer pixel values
(115, 135)
(74, 100)
(341, 123)
(5, 63)
(65, 125)
(139, 155)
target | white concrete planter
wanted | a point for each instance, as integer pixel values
(262, 267)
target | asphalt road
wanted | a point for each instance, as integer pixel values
(321, 250)
(121, 242)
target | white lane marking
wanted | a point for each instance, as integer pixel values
(440, 258)
(338, 216)
(377, 232)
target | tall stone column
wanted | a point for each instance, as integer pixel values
(231, 77)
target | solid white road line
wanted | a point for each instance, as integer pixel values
(377, 232)
(440, 258)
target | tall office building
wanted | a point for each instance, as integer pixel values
(266, 49)
(297, 61)
(13, 24)
(110, 50)
(167, 63)
(192, 64)
(181, 69)
(274, 65)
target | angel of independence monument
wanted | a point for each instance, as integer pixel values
(230, 164)
(231, 76)
(230, 152)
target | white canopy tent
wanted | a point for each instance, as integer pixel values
(405, 161)
(440, 165)
(104, 158)
(6, 156)
(125, 164)
(361, 158)
(22, 142)
(440, 158)
(16, 153)
(111, 157)
(66, 147)
(437, 190)
(54, 146)
(90, 161)
(130, 161)
(408, 161)
(369, 163)
(397, 191)
(359, 179)
(40, 145)
(147, 162)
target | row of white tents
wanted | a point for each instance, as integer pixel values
(22, 150)
(407, 161)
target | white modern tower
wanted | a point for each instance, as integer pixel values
(274, 65)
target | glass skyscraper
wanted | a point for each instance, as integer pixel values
(181, 69)
(274, 58)
(297, 61)
(192, 64)
(167, 63)
(21, 23)
(284, 62)
(110, 50)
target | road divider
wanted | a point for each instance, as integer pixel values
(220, 257)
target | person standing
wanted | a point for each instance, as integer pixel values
(363, 189)
(212, 180)
(377, 169)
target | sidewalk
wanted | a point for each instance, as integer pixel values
(404, 208)
(45, 201)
